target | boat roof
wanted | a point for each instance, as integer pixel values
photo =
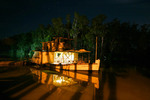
(75, 51)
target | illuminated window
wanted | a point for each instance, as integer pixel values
(64, 57)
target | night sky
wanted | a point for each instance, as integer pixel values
(19, 16)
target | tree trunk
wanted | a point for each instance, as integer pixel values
(102, 43)
(96, 49)
(41, 57)
(75, 43)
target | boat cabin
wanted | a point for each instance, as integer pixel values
(56, 51)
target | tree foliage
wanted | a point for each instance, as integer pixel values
(117, 41)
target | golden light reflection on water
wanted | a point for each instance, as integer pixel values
(62, 81)
(82, 77)
(57, 80)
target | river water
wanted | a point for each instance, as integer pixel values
(28, 83)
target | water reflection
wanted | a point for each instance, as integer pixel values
(87, 85)
(54, 79)
(87, 77)
(110, 84)
(62, 81)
